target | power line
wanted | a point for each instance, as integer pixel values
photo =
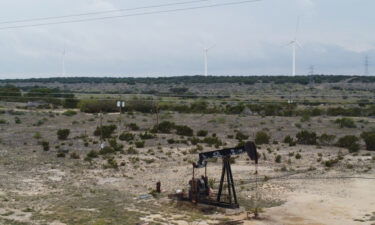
(100, 12)
(131, 15)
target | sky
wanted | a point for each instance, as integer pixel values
(249, 39)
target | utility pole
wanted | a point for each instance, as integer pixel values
(311, 76)
(312, 68)
(120, 105)
(366, 65)
(101, 130)
(156, 108)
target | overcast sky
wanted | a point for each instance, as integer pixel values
(250, 39)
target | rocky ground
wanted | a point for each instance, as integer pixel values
(37, 187)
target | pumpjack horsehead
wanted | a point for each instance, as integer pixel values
(200, 191)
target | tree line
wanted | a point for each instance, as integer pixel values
(200, 79)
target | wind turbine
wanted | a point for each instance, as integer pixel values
(294, 43)
(205, 49)
(63, 61)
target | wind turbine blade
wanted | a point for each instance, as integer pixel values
(290, 43)
(211, 47)
(297, 28)
(298, 44)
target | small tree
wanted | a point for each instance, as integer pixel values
(369, 138)
(106, 131)
(350, 142)
(202, 133)
(62, 134)
(289, 140)
(241, 136)
(346, 122)
(126, 136)
(45, 145)
(133, 126)
(184, 130)
(326, 139)
(262, 138)
(306, 138)
(164, 127)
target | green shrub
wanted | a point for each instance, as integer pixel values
(164, 127)
(261, 138)
(212, 141)
(346, 122)
(241, 136)
(131, 151)
(369, 138)
(305, 118)
(69, 113)
(60, 155)
(17, 120)
(326, 139)
(92, 154)
(146, 136)
(45, 145)
(349, 142)
(107, 150)
(171, 141)
(289, 140)
(125, 136)
(298, 156)
(306, 138)
(139, 144)
(194, 140)
(111, 164)
(62, 134)
(133, 126)
(74, 155)
(278, 159)
(202, 133)
(331, 162)
(106, 131)
(184, 130)
(115, 146)
(97, 106)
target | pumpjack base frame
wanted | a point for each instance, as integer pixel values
(209, 202)
(220, 204)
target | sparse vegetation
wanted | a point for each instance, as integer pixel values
(345, 123)
(62, 134)
(202, 133)
(183, 130)
(125, 136)
(262, 138)
(350, 142)
(105, 131)
(369, 138)
(306, 138)
(69, 113)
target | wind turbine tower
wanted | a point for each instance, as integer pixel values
(294, 43)
(366, 65)
(63, 62)
(206, 59)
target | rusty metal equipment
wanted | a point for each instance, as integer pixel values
(200, 191)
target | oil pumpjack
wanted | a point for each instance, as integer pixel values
(199, 188)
